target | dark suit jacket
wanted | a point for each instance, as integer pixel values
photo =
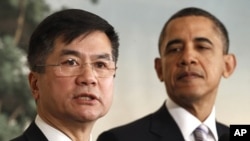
(32, 133)
(159, 126)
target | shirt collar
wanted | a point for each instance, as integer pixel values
(51, 133)
(187, 123)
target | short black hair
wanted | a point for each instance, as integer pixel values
(68, 24)
(193, 11)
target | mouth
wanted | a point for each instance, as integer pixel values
(189, 75)
(85, 97)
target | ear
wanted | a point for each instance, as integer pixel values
(230, 65)
(33, 79)
(158, 68)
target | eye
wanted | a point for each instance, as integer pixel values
(101, 65)
(203, 47)
(70, 62)
(173, 49)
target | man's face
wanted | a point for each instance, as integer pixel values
(83, 97)
(192, 60)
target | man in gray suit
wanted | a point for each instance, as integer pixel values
(194, 56)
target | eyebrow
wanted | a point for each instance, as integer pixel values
(78, 54)
(179, 41)
(202, 39)
(69, 52)
(175, 41)
(102, 56)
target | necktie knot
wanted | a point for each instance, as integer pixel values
(200, 133)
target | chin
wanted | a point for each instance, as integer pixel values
(188, 94)
(86, 116)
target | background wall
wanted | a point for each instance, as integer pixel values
(139, 22)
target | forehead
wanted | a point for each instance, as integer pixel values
(190, 24)
(90, 44)
(191, 27)
(188, 28)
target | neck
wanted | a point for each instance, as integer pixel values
(200, 107)
(200, 110)
(76, 131)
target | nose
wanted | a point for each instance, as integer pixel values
(87, 76)
(188, 57)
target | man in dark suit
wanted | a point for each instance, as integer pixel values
(193, 49)
(72, 56)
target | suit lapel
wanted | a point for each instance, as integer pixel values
(222, 129)
(164, 126)
(33, 133)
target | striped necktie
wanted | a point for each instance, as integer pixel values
(201, 133)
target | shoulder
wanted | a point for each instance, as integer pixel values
(130, 131)
(31, 133)
(222, 129)
(132, 126)
(19, 138)
(140, 129)
(221, 126)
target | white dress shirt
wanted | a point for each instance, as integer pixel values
(51, 133)
(187, 123)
